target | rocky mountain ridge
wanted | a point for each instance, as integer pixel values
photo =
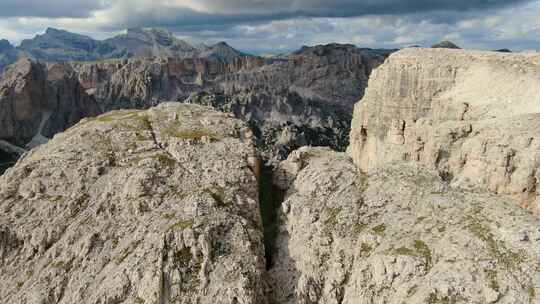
(304, 99)
(59, 45)
(290, 102)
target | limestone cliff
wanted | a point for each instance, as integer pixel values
(472, 116)
(397, 235)
(157, 206)
(38, 101)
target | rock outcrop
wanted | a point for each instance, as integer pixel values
(38, 101)
(157, 206)
(473, 116)
(397, 235)
(305, 98)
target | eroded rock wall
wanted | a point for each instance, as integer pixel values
(38, 101)
(472, 116)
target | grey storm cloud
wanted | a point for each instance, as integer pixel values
(49, 8)
(221, 13)
(349, 8)
(235, 11)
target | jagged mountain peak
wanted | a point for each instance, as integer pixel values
(61, 45)
(222, 50)
(5, 45)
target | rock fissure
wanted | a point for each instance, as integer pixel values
(271, 198)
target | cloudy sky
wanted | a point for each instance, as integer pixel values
(281, 25)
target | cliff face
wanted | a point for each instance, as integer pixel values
(134, 207)
(397, 235)
(39, 101)
(144, 82)
(472, 116)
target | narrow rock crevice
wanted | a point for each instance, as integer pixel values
(270, 198)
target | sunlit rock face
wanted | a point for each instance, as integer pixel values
(472, 116)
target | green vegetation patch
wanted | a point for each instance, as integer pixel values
(365, 249)
(333, 216)
(219, 196)
(165, 160)
(379, 230)
(174, 131)
(491, 275)
(182, 258)
(182, 224)
(506, 257)
(420, 249)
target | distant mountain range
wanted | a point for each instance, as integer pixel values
(59, 45)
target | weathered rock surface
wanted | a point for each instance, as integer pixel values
(397, 235)
(157, 206)
(473, 116)
(38, 101)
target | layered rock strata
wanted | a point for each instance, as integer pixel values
(472, 116)
(38, 101)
